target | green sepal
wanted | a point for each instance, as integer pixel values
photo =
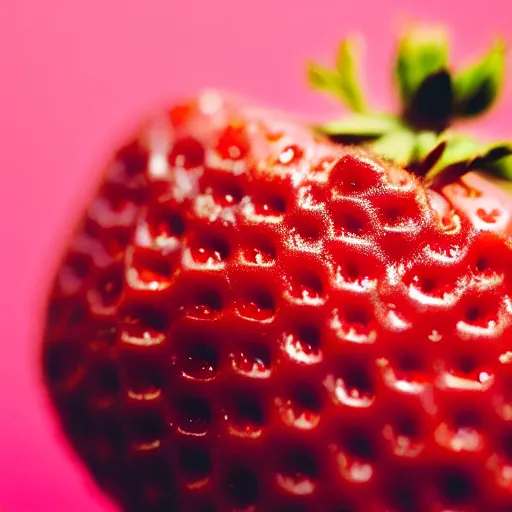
(430, 108)
(421, 53)
(426, 141)
(325, 79)
(367, 126)
(477, 87)
(396, 146)
(462, 154)
(343, 82)
(347, 67)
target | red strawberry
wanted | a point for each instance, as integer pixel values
(253, 318)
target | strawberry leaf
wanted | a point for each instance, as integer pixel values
(431, 106)
(342, 82)
(477, 87)
(325, 79)
(346, 65)
(420, 54)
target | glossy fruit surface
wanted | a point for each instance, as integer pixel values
(250, 317)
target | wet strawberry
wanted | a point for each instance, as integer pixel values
(252, 317)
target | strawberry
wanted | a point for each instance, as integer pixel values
(251, 316)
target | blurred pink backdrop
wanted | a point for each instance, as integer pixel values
(73, 74)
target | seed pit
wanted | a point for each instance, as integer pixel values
(299, 473)
(259, 251)
(304, 345)
(402, 212)
(133, 158)
(103, 338)
(109, 442)
(242, 488)
(115, 242)
(109, 288)
(406, 372)
(155, 488)
(143, 381)
(104, 386)
(353, 324)
(403, 498)
(353, 174)
(149, 270)
(306, 286)
(456, 487)
(462, 433)
(62, 362)
(356, 269)
(209, 250)
(224, 188)
(404, 435)
(351, 220)
(357, 455)
(301, 409)
(187, 152)
(355, 386)
(76, 269)
(247, 417)
(195, 465)
(146, 431)
(257, 304)
(480, 316)
(306, 228)
(166, 226)
(194, 416)
(254, 360)
(466, 372)
(269, 203)
(204, 303)
(144, 326)
(233, 143)
(200, 361)
(505, 446)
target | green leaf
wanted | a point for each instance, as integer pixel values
(343, 81)
(477, 87)
(421, 53)
(397, 146)
(426, 141)
(324, 79)
(430, 107)
(348, 70)
(361, 125)
(462, 154)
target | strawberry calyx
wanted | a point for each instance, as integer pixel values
(433, 96)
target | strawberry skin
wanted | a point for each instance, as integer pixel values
(252, 318)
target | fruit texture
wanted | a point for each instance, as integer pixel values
(251, 317)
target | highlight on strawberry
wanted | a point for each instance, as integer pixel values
(258, 315)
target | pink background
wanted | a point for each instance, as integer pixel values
(73, 73)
